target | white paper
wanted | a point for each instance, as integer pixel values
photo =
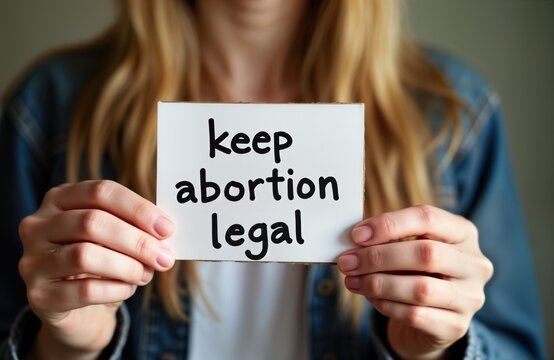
(324, 141)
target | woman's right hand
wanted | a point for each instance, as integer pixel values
(86, 250)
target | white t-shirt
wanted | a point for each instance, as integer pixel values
(260, 309)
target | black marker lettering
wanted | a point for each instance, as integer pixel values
(262, 237)
(279, 146)
(280, 233)
(204, 185)
(298, 223)
(234, 230)
(275, 179)
(252, 187)
(323, 182)
(240, 138)
(186, 192)
(290, 185)
(300, 188)
(240, 191)
(215, 241)
(215, 143)
(261, 137)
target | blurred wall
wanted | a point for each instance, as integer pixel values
(28, 28)
(511, 42)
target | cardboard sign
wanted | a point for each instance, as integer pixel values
(261, 182)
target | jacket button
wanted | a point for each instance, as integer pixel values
(168, 356)
(326, 287)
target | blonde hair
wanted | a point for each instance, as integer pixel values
(355, 51)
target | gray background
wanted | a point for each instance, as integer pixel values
(511, 42)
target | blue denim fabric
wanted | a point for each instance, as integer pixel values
(478, 184)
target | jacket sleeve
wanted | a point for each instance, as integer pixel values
(26, 326)
(509, 326)
(479, 185)
(21, 183)
(26, 175)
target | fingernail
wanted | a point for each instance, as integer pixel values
(353, 282)
(164, 258)
(163, 226)
(146, 276)
(362, 234)
(348, 262)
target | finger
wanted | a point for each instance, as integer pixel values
(412, 290)
(112, 197)
(92, 259)
(438, 323)
(423, 220)
(73, 294)
(416, 255)
(105, 229)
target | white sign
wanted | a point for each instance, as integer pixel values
(261, 182)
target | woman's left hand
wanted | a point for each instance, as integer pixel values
(429, 287)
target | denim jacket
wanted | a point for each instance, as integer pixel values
(478, 184)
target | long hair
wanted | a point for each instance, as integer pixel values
(354, 51)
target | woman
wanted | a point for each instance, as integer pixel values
(433, 136)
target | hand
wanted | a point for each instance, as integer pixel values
(429, 287)
(85, 251)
